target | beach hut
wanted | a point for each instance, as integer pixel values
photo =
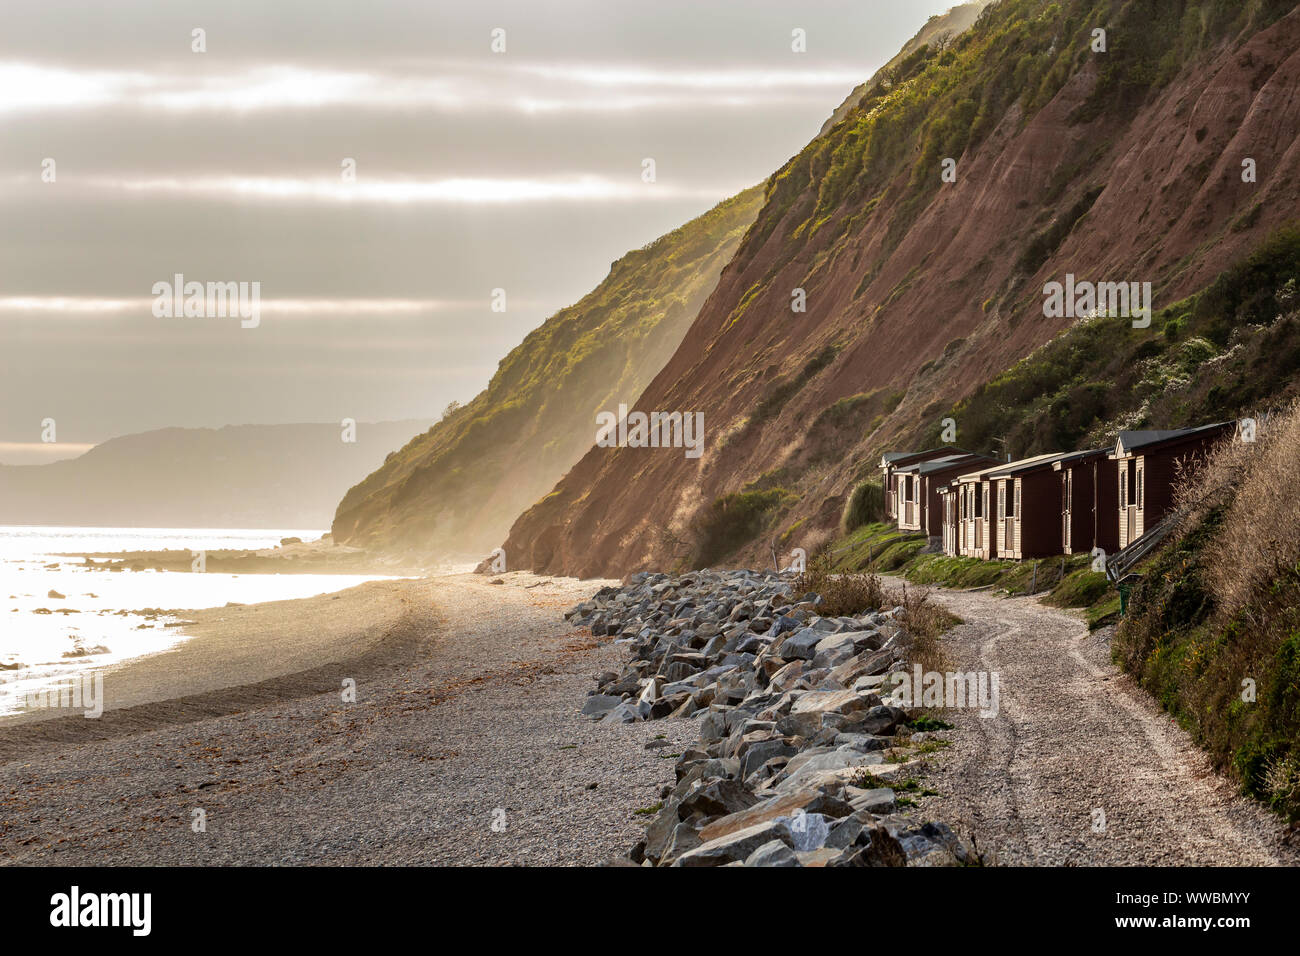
(1148, 464)
(890, 464)
(974, 513)
(920, 507)
(1089, 498)
(1026, 500)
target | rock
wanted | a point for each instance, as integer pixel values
(772, 808)
(808, 830)
(884, 849)
(880, 800)
(683, 839)
(829, 701)
(933, 844)
(840, 647)
(801, 645)
(850, 831)
(822, 856)
(55, 595)
(597, 705)
(626, 713)
(773, 853)
(717, 799)
(735, 846)
(823, 766)
(805, 724)
(760, 753)
(881, 719)
(790, 729)
(660, 831)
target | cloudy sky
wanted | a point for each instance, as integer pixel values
(474, 170)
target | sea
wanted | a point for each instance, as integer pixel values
(96, 623)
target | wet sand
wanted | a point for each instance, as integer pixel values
(241, 656)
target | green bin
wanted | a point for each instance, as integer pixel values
(1125, 585)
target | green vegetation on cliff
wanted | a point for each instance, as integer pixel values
(944, 98)
(455, 489)
(1214, 630)
(1220, 354)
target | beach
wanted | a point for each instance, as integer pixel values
(463, 743)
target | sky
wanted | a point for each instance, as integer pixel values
(379, 169)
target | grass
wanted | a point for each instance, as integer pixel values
(927, 722)
(1064, 583)
(932, 746)
(1214, 625)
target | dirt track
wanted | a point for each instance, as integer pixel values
(1074, 735)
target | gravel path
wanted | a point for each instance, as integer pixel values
(1074, 735)
(417, 770)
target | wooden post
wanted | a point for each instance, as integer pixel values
(1033, 582)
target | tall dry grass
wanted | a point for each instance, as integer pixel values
(1213, 629)
(1258, 542)
(854, 592)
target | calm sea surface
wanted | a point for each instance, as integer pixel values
(87, 629)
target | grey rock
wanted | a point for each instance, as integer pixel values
(599, 704)
(773, 853)
(735, 846)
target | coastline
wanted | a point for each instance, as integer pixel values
(239, 656)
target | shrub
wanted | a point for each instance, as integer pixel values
(925, 622)
(866, 504)
(853, 592)
(731, 521)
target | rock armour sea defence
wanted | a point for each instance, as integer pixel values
(797, 755)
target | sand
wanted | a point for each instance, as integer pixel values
(464, 744)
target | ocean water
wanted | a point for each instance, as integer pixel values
(95, 625)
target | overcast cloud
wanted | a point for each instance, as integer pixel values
(474, 171)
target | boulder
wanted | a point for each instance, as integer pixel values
(801, 645)
(829, 701)
(717, 799)
(773, 853)
(735, 846)
(597, 705)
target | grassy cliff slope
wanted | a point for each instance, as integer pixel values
(454, 490)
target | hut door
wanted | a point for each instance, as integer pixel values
(1067, 495)
(1002, 514)
(1013, 518)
